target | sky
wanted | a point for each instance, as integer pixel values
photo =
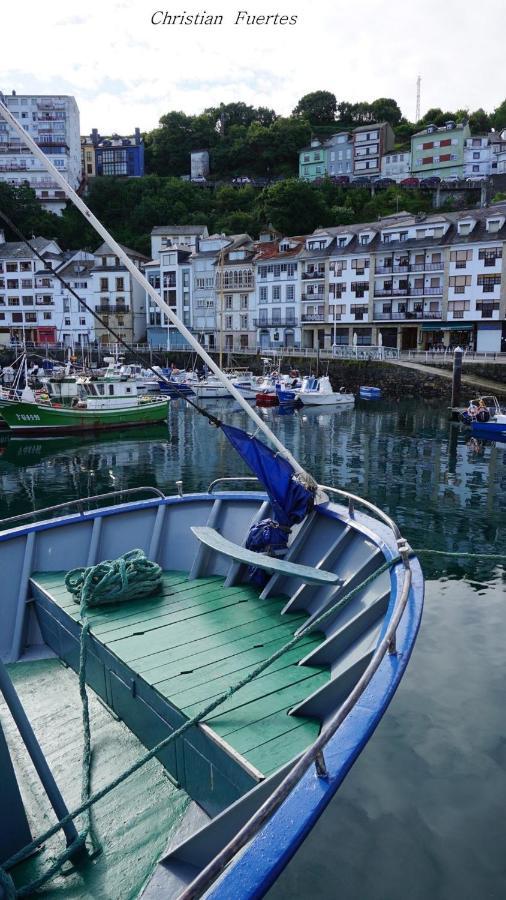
(126, 72)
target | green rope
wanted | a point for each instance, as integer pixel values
(129, 577)
(495, 557)
(90, 800)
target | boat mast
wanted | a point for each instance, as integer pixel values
(144, 283)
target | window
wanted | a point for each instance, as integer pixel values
(291, 269)
(244, 321)
(120, 284)
(30, 317)
(17, 317)
(488, 282)
(104, 282)
(460, 258)
(290, 292)
(82, 320)
(490, 255)
(228, 321)
(46, 316)
(263, 295)
(276, 292)
(244, 301)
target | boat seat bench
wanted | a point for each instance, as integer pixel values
(158, 661)
(213, 539)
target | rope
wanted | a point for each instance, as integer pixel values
(129, 577)
(205, 711)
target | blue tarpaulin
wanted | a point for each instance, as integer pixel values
(290, 499)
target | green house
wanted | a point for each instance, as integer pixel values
(439, 151)
(313, 161)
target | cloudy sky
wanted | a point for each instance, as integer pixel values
(125, 72)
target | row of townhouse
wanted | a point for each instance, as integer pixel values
(446, 151)
(36, 307)
(405, 281)
(409, 282)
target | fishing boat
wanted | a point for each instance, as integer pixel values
(102, 404)
(367, 392)
(486, 417)
(250, 640)
(319, 392)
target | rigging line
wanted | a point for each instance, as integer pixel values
(135, 353)
(150, 290)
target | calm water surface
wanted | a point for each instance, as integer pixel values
(423, 812)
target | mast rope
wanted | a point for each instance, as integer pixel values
(6, 880)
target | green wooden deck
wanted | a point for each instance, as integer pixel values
(133, 823)
(194, 639)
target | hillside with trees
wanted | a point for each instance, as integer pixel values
(255, 141)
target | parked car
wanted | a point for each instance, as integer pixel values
(384, 182)
(361, 179)
(451, 179)
(241, 179)
(199, 179)
(340, 179)
(259, 182)
(476, 179)
(430, 182)
(410, 182)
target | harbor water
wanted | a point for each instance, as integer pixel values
(423, 812)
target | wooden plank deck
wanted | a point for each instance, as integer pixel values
(194, 639)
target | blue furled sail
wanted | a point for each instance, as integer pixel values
(292, 495)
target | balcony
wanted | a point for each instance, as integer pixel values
(426, 292)
(275, 323)
(312, 317)
(401, 316)
(110, 309)
(313, 276)
(391, 292)
(314, 298)
(427, 267)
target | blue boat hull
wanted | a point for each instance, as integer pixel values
(162, 527)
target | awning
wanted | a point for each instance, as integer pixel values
(449, 326)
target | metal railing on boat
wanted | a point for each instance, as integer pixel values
(80, 502)
(314, 755)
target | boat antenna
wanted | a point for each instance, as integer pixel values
(150, 290)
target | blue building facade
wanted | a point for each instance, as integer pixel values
(120, 156)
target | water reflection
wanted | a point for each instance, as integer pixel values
(445, 489)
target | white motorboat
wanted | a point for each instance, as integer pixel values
(318, 392)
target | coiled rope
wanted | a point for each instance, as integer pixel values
(5, 879)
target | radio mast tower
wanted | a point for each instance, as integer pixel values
(418, 87)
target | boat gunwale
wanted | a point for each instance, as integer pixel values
(274, 842)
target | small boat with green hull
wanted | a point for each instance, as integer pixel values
(100, 405)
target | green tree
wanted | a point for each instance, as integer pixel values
(294, 207)
(319, 107)
(479, 121)
(386, 110)
(498, 117)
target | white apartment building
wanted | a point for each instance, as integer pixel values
(75, 325)
(170, 275)
(235, 294)
(396, 165)
(27, 292)
(278, 293)
(186, 237)
(53, 123)
(480, 156)
(118, 299)
(205, 300)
